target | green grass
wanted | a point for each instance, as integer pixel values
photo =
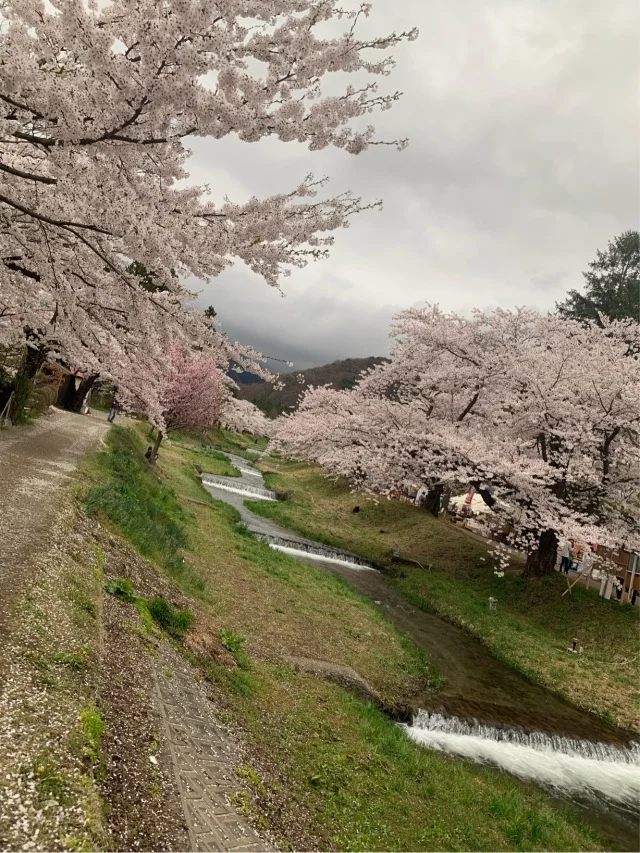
(209, 461)
(386, 532)
(534, 622)
(364, 786)
(132, 497)
(242, 445)
(533, 627)
(234, 643)
(175, 622)
(331, 763)
(92, 726)
(156, 609)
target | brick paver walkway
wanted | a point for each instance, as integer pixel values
(204, 757)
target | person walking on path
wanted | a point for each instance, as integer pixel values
(115, 405)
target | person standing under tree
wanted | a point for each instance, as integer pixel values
(576, 555)
(565, 555)
(115, 405)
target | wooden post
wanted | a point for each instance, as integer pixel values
(570, 587)
(634, 558)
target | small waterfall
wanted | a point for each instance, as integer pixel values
(296, 547)
(251, 471)
(563, 765)
(228, 485)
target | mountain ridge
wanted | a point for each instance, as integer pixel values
(340, 374)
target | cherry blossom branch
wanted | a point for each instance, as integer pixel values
(43, 179)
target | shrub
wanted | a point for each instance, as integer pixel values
(121, 588)
(161, 611)
(234, 643)
(21, 393)
(42, 397)
(176, 622)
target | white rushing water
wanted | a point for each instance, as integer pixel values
(570, 767)
(251, 471)
(324, 556)
(253, 492)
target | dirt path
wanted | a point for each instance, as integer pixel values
(166, 766)
(36, 463)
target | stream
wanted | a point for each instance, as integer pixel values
(485, 711)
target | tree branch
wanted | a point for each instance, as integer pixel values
(43, 179)
(469, 406)
(56, 222)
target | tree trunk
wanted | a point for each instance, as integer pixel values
(34, 358)
(156, 446)
(432, 500)
(485, 494)
(75, 397)
(543, 560)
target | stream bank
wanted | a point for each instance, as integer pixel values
(595, 765)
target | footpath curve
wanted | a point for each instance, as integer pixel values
(36, 463)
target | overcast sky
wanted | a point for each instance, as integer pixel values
(523, 160)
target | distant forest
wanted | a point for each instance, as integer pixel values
(339, 374)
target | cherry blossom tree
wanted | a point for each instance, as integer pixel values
(243, 416)
(99, 102)
(538, 413)
(194, 394)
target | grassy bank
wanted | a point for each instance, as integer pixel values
(208, 460)
(534, 623)
(328, 770)
(362, 785)
(243, 444)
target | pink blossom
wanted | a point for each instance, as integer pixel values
(243, 416)
(99, 102)
(194, 392)
(541, 411)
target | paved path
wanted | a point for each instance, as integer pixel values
(203, 756)
(36, 463)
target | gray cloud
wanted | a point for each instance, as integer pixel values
(523, 162)
(308, 326)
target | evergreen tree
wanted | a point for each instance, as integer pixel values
(612, 284)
